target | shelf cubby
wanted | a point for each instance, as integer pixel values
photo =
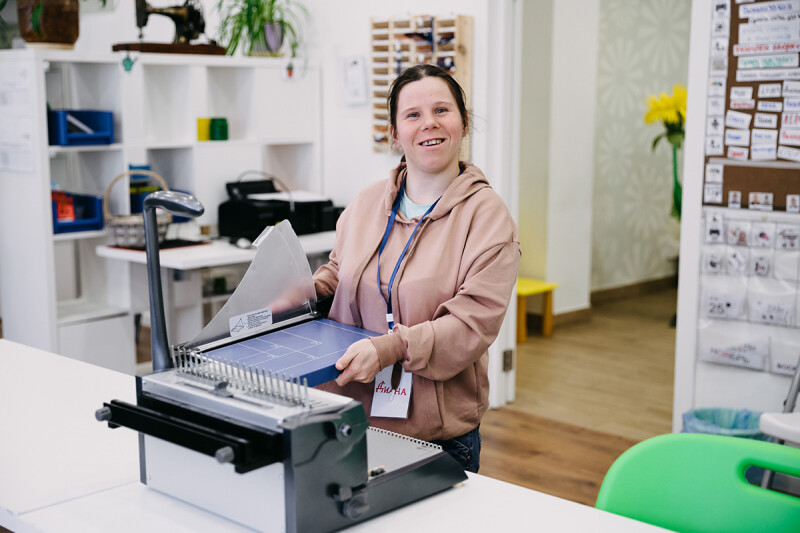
(167, 103)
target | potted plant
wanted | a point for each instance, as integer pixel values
(54, 22)
(260, 26)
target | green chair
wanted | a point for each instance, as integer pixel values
(691, 482)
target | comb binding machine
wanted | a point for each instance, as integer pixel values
(257, 446)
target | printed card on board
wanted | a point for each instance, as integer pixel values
(714, 145)
(762, 136)
(747, 355)
(762, 9)
(763, 234)
(714, 173)
(739, 232)
(734, 137)
(765, 120)
(761, 264)
(769, 90)
(741, 93)
(765, 105)
(734, 199)
(716, 86)
(715, 233)
(715, 126)
(789, 234)
(763, 152)
(713, 193)
(737, 119)
(793, 205)
(760, 201)
(738, 152)
(713, 260)
(792, 154)
(721, 9)
(791, 89)
(737, 260)
(790, 137)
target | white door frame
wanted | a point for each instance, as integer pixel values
(505, 18)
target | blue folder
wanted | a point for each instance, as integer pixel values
(308, 350)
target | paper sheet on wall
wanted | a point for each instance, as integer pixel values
(16, 121)
(748, 355)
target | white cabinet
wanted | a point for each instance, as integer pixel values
(57, 294)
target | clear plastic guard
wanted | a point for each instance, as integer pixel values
(277, 289)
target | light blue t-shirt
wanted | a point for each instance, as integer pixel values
(410, 209)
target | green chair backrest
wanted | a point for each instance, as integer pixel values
(695, 483)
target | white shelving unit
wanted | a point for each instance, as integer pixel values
(57, 294)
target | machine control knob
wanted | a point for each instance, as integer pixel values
(225, 455)
(345, 431)
(103, 414)
(355, 507)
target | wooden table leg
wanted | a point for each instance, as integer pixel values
(547, 313)
(522, 321)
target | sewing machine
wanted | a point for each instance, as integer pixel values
(189, 25)
(229, 421)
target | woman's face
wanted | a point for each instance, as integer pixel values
(429, 125)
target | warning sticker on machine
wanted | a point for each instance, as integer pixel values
(248, 322)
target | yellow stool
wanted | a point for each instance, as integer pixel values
(528, 287)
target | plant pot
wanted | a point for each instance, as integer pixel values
(57, 24)
(273, 34)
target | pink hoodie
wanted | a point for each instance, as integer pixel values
(449, 296)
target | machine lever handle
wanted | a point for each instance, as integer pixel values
(173, 202)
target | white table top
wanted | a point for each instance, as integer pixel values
(62, 471)
(216, 253)
(480, 504)
(51, 447)
(784, 426)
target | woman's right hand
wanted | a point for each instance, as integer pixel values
(359, 363)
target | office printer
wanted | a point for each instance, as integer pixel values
(232, 424)
(254, 205)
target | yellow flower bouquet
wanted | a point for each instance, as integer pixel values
(671, 112)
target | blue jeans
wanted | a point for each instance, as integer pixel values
(465, 449)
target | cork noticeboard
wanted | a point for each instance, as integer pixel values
(753, 108)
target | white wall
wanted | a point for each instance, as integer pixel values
(537, 19)
(558, 138)
(643, 49)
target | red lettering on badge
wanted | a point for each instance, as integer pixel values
(382, 388)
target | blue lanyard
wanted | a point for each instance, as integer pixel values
(389, 226)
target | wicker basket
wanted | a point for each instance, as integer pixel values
(128, 230)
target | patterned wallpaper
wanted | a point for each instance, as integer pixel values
(643, 49)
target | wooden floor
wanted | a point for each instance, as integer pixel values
(584, 396)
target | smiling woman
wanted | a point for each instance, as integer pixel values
(431, 255)
(429, 129)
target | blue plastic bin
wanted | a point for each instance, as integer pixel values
(101, 122)
(88, 214)
(722, 421)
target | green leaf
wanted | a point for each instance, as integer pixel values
(656, 140)
(36, 18)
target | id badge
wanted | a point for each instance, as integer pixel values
(388, 402)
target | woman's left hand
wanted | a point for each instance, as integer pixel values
(359, 363)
